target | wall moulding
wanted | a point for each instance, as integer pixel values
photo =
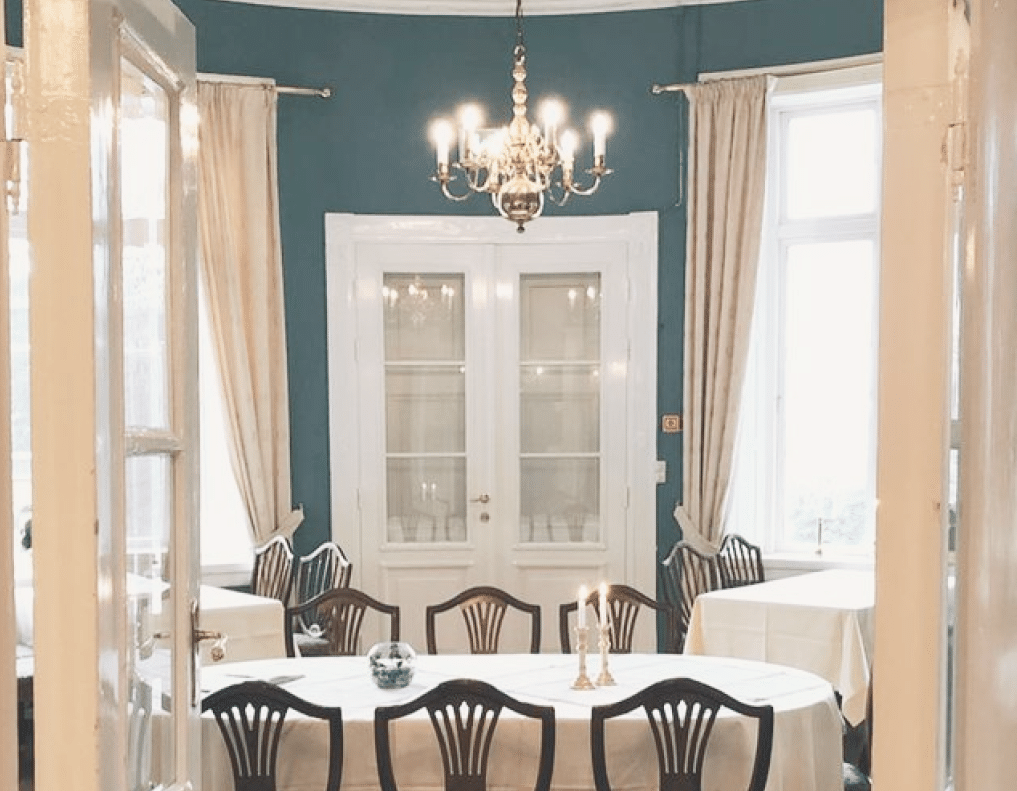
(483, 7)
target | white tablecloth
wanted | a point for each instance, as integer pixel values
(806, 750)
(821, 622)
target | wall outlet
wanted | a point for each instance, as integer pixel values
(661, 471)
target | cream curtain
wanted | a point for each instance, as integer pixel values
(727, 167)
(238, 218)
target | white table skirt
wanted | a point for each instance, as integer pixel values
(806, 750)
(821, 622)
(253, 624)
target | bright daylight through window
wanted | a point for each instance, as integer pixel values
(226, 545)
(805, 457)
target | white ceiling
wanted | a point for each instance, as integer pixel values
(483, 7)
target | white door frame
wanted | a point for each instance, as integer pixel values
(72, 52)
(343, 232)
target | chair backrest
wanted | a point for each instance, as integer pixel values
(325, 568)
(687, 573)
(272, 575)
(464, 714)
(335, 618)
(681, 714)
(250, 716)
(483, 609)
(623, 604)
(741, 562)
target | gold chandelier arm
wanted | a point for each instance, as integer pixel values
(598, 174)
(442, 177)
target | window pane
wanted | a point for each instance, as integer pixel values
(559, 317)
(144, 183)
(830, 393)
(424, 317)
(148, 511)
(560, 500)
(560, 408)
(426, 409)
(225, 528)
(426, 499)
(832, 163)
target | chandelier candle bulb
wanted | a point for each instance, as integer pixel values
(441, 133)
(600, 124)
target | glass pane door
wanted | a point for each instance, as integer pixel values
(481, 423)
(425, 407)
(148, 481)
(559, 408)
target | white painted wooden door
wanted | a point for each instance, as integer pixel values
(114, 380)
(494, 411)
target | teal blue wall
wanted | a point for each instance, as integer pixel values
(366, 150)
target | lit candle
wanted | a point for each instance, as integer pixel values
(603, 605)
(600, 124)
(569, 142)
(470, 119)
(581, 603)
(441, 133)
(553, 112)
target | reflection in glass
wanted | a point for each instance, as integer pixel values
(424, 317)
(559, 317)
(559, 407)
(144, 159)
(148, 509)
(144, 156)
(830, 393)
(560, 500)
(426, 499)
(425, 407)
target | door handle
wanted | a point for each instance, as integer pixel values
(484, 498)
(218, 651)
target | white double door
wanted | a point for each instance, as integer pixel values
(482, 410)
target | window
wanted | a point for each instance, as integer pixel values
(227, 550)
(805, 456)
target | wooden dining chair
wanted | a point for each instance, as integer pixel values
(682, 713)
(464, 714)
(325, 568)
(741, 562)
(686, 573)
(251, 715)
(624, 604)
(330, 624)
(483, 609)
(272, 575)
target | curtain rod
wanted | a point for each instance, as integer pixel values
(790, 70)
(324, 93)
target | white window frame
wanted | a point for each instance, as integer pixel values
(759, 516)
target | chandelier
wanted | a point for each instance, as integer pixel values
(517, 165)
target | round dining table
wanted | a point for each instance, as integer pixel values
(806, 746)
